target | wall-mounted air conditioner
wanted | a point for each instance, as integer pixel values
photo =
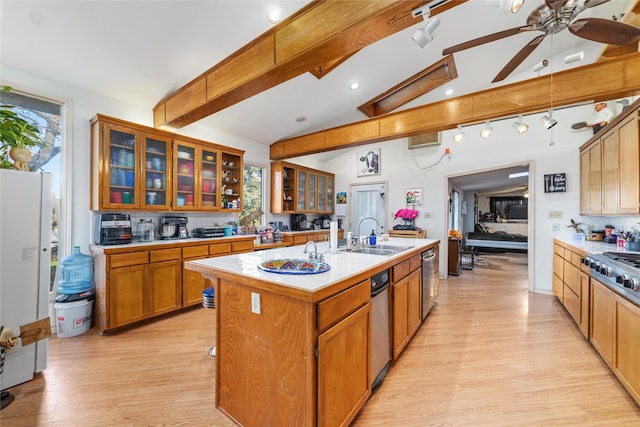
(425, 140)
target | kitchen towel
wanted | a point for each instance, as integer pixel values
(333, 236)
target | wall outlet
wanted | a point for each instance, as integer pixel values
(555, 214)
(255, 303)
(555, 227)
(427, 214)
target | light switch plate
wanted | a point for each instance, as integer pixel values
(427, 214)
(255, 303)
(555, 214)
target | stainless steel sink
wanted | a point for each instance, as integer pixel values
(382, 249)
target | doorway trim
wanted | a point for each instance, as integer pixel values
(530, 224)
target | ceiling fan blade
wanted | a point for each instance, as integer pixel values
(593, 3)
(605, 31)
(518, 58)
(485, 39)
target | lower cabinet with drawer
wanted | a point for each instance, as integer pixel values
(407, 301)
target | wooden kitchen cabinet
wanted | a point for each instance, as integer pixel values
(297, 189)
(407, 304)
(165, 281)
(610, 169)
(128, 297)
(344, 382)
(602, 317)
(570, 284)
(134, 167)
(627, 344)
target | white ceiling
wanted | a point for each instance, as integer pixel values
(141, 51)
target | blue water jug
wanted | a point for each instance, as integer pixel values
(76, 273)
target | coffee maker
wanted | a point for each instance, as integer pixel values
(112, 229)
(298, 222)
(173, 227)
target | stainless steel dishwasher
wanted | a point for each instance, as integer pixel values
(428, 282)
(380, 334)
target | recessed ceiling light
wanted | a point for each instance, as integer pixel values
(274, 15)
(354, 86)
(449, 92)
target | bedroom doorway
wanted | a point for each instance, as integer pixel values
(482, 201)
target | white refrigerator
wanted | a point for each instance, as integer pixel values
(25, 266)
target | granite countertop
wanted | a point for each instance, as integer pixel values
(343, 264)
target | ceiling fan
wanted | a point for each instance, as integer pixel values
(551, 17)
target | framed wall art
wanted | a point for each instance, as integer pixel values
(368, 162)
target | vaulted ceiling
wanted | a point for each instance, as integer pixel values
(142, 52)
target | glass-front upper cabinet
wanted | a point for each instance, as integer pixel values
(186, 169)
(311, 191)
(302, 191)
(209, 179)
(156, 164)
(322, 193)
(121, 168)
(330, 185)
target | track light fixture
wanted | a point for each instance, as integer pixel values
(548, 121)
(458, 136)
(574, 57)
(424, 35)
(507, 6)
(520, 126)
(487, 131)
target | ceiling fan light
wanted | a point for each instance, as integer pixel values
(520, 126)
(515, 5)
(507, 6)
(486, 132)
(458, 136)
(548, 121)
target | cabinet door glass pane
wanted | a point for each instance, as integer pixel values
(330, 194)
(185, 177)
(231, 181)
(288, 189)
(155, 167)
(321, 193)
(209, 178)
(123, 168)
(302, 190)
(312, 191)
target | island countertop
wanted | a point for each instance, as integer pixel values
(344, 265)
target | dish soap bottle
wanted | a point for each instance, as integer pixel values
(349, 237)
(372, 238)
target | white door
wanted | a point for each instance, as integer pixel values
(368, 201)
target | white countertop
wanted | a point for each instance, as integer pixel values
(596, 247)
(343, 264)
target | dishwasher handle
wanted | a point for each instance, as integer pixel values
(428, 256)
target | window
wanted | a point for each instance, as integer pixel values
(252, 201)
(47, 116)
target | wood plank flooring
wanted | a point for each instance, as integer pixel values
(490, 354)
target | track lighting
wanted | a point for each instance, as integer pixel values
(487, 131)
(574, 57)
(424, 35)
(458, 136)
(520, 126)
(549, 121)
(540, 65)
(512, 6)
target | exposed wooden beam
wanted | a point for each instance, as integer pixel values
(613, 78)
(631, 17)
(321, 33)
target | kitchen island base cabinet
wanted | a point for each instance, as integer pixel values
(343, 384)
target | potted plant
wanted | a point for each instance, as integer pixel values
(18, 134)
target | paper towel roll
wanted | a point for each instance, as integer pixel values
(333, 236)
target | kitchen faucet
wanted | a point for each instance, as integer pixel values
(315, 255)
(360, 223)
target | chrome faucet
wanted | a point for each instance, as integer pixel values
(360, 223)
(315, 255)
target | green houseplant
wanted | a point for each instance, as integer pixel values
(17, 135)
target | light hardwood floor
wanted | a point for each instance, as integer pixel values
(490, 354)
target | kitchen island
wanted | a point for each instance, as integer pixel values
(296, 349)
